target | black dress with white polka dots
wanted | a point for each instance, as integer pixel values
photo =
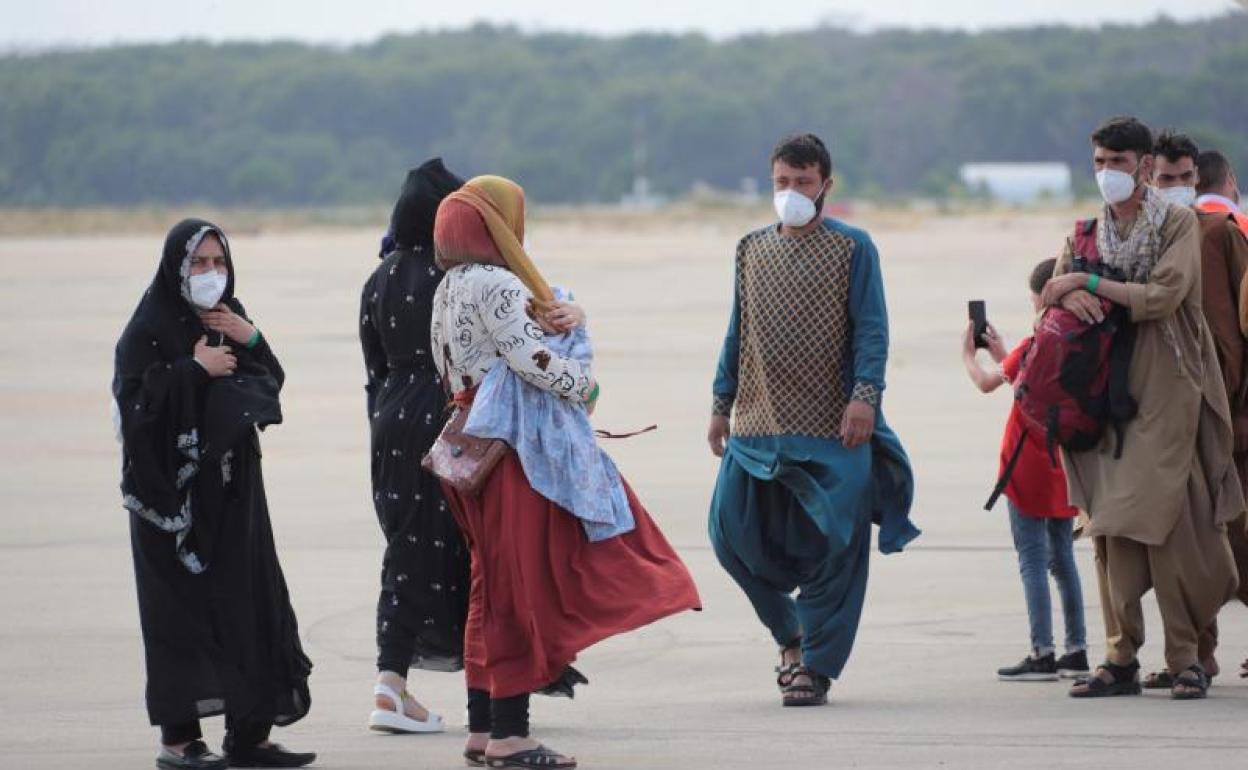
(424, 579)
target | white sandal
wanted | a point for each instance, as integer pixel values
(397, 721)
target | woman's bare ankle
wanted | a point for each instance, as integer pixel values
(392, 680)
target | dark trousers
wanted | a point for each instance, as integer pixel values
(500, 717)
(243, 735)
(396, 642)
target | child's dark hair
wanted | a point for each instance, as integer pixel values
(1040, 275)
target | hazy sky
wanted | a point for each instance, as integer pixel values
(41, 23)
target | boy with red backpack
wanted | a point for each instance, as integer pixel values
(1040, 518)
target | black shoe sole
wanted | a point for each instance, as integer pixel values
(1111, 691)
(163, 764)
(802, 703)
(1030, 676)
(253, 762)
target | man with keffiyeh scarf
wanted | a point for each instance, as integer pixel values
(1158, 513)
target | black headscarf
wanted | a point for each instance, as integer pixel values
(172, 414)
(411, 222)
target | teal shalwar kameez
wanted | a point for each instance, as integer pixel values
(793, 507)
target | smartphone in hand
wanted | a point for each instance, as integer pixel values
(979, 316)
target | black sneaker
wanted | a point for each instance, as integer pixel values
(1073, 665)
(1032, 669)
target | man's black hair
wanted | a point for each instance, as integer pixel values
(1174, 146)
(802, 150)
(1213, 169)
(1124, 134)
(1041, 274)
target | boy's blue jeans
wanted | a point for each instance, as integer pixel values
(1044, 546)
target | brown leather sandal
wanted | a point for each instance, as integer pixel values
(794, 694)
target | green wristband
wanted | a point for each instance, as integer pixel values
(1094, 280)
(255, 339)
(593, 394)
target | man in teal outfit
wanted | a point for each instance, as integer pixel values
(808, 460)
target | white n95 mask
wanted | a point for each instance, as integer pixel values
(793, 208)
(207, 288)
(1116, 186)
(1181, 196)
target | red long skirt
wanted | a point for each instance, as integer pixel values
(541, 592)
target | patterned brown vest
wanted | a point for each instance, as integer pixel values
(793, 297)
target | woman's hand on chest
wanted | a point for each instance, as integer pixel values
(222, 319)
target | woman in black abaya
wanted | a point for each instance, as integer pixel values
(194, 380)
(424, 575)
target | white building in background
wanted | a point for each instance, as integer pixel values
(1019, 183)
(642, 197)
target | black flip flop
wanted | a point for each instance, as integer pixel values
(474, 757)
(540, 758)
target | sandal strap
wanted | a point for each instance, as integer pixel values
(1192, 676)
(1121, 672)
(818, 682)
(386, 691)
(787, 673)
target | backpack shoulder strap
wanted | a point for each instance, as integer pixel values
(1007, 473)
(1083, 245)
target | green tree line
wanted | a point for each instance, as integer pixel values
(292, 124)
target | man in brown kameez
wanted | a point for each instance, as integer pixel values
(1158, 513)
(1224, 261)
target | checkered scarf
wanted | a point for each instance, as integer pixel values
(1136, 254)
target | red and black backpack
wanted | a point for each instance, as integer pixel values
(1072, 382)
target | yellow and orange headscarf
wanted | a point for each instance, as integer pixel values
(483, 223)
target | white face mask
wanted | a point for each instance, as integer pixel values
(207, 288)
(793, 208)
(1181, 196)
(1116, 186)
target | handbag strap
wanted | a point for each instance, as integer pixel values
(608, 434)
(446, 379)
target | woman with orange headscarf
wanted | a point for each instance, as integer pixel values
(540, 590)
